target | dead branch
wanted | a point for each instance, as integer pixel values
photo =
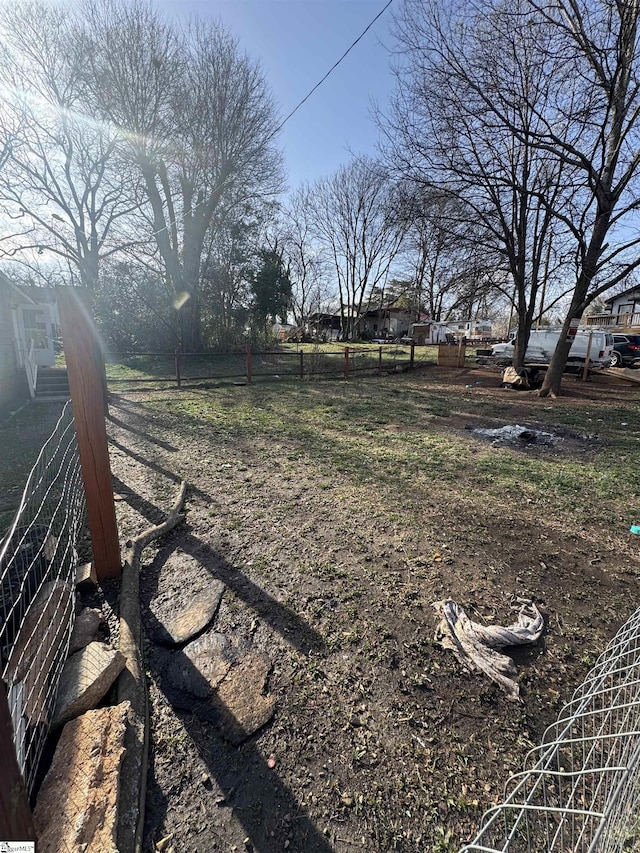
(136, 546)
(132, 683)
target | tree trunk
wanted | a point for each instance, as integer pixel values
(190, 332)
(519, 350)
(88, 268)
(579, 301)
(526, 307)
(553, 377)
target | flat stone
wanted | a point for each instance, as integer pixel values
(86, 677)
(184, 602)
(200, 667)
(85, 629)
(86, 577)
(181, 625)
(220, 684)
(77, 807)
(38, 647)
(244, 705)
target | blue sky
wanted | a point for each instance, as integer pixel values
(297, 41)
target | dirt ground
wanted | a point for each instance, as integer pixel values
(21, 438)
(332, 553)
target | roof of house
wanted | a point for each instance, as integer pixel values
(39, 295)
(635, 290)
(323, 315)
(19, 292)
(374, 310)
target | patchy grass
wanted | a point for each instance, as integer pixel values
(341, 511)
(140, 367)
(403, 436)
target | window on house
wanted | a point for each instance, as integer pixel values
(35, 325)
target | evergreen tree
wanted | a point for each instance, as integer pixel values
(272, 290)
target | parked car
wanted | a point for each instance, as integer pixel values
(626, 350)
(542, 343)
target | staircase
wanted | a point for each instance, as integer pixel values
(52, 385)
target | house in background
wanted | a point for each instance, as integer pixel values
(385, 321)
(437, 332)
(622, 314)
(324, 327)
(28, 327)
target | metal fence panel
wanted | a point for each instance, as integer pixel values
(579, 791)
(38, 560)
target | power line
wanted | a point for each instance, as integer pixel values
(305, 99)
(330, 71)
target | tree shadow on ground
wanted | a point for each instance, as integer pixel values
(142, 460)
(241, 781)
(266, 809)
(145, 434)
(283, 620)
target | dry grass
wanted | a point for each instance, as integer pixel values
(336, 513)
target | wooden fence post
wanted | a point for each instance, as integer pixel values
(301, 356)
(85, 387)
(103, 375)
(461, 351)
(16, 820)
(585, 371)
(380, 358)
(346, 362)
(412, 357)
(249, 365)
(177, 357)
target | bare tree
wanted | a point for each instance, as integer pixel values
(357, 223)
(440, 254)
(498, 193)
(63, 185)
(306, 263)
(598, 133)
(199, 121)
(557, 86)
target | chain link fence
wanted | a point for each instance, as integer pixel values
(579, 791)
(38, 561)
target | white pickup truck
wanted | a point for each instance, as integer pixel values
(542, 343)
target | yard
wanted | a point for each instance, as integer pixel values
(335, 514)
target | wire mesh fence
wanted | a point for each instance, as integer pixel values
(275, 364)
(130, 369)
(38, 560)
(579, 791)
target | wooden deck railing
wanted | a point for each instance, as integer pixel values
(626, 321)
(31, 368)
